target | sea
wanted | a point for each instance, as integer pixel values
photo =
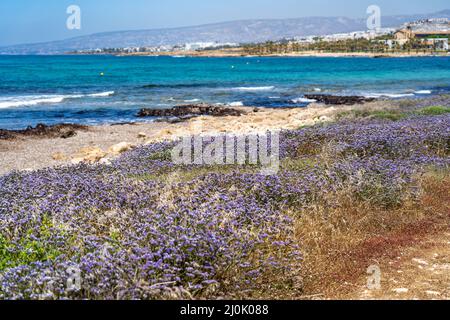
(97, 90)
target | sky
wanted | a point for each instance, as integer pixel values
(29, 21)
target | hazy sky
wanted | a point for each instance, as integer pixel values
(25, 21)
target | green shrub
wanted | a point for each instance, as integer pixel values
(28, 250)
(383, 114)
(434, 111)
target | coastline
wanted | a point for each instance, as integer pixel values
(315, 54)
(96, 143)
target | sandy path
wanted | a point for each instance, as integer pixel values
(419, 272)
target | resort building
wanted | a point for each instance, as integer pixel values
(433, 32)
(424, 29)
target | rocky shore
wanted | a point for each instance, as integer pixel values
(63, 131)
(186, 112)
(46, 146)
(338, 100)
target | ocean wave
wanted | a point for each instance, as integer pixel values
(32, 100)
(236, 104)
(101, 94)
(28, 101)
(389, 95)
(423, 92)
(303, 100)
(266, 88)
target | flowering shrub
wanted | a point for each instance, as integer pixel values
(144, 228)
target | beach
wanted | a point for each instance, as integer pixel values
(31, 152)
(238, 52)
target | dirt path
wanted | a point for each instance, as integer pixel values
(421, 271)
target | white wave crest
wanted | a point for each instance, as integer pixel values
(236, 104)
(303, 100)
(389, 95)
(266, 88)
(423, 92)
(101, 94)
(32, 100)
(19, 101)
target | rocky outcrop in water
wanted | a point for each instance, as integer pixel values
(188, 111)
(339, 100)
(63, 131)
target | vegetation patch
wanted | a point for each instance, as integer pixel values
(146, 228)
(434, 111)
(392, 115)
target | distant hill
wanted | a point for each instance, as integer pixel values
(243, 31)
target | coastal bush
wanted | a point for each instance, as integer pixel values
(434, 111)
(393, 115)
(29, 249)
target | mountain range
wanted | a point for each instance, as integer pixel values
(243, 31)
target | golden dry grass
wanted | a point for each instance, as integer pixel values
(340, 243)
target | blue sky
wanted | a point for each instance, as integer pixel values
(26, 21)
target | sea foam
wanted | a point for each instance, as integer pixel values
(101, 94)
(32, 100)
(423, 92)
(236, 104)
(389, 95)
(303, 100)
(266, 88)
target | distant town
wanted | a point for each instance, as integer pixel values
(422, 36)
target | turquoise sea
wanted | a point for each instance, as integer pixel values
(108, 89)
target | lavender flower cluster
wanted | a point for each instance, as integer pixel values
(144, 228)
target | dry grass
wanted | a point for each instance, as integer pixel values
(340, 243)
(418, 272)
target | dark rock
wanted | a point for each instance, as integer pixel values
(174, 120)
(5, 135)
(185, 112)
(41, 130)
(68, 134)
(117, 124)
(339, 100)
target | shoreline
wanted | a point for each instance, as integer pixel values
(104, 142)
(300, 54)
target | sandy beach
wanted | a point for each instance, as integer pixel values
(237, 52)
